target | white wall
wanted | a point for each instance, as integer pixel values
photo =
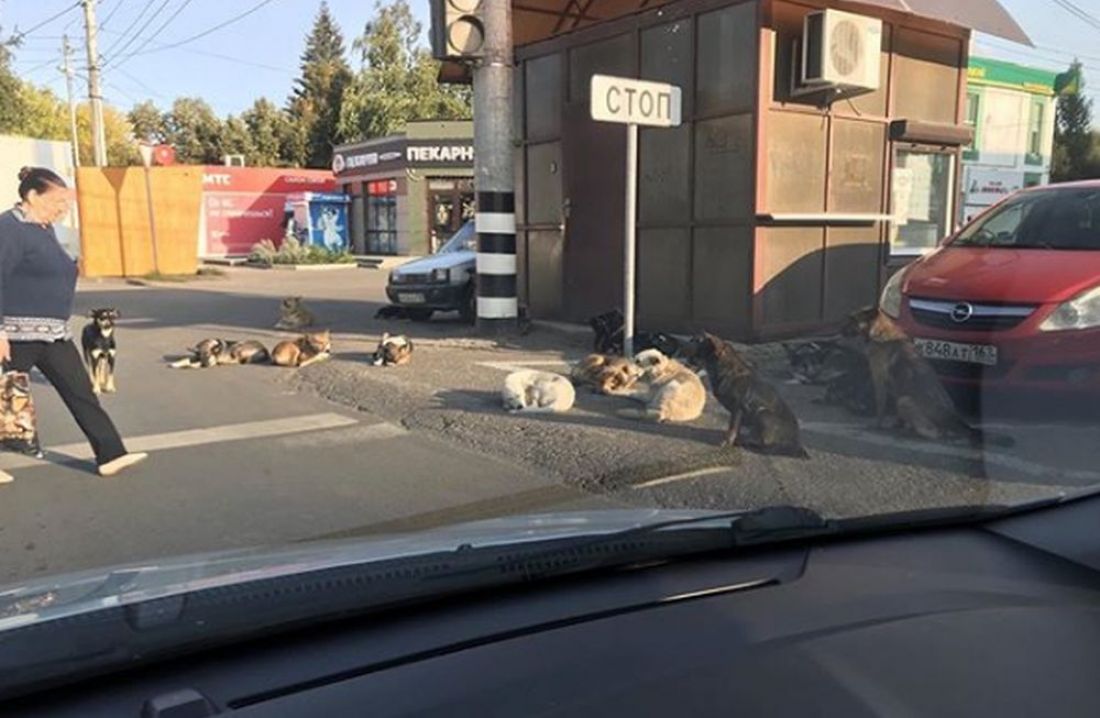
(19, 152)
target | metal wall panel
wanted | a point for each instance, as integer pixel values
(667, 57)
(853, 258)
(724, 178)
(664, 164)
(614, 56)
(926, 74)
(796, 162)
(543, 96)
(544, 273)
(544, 190)
(727, 60)
(790, 261)
(721, 280)
(664, 278)
(858, 166)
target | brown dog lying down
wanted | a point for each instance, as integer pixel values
(303, 351)
(759, 418)
(904, 381)
(220, 352)
(605, 374)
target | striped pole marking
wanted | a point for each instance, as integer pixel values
(496, 256)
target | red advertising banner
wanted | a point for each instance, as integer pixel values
(243, 205)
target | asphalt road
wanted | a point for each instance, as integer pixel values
(246, 456)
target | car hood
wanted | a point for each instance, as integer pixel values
(1030, 276)
(446, 260)
(73, 594)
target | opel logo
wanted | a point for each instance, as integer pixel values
(961, 312)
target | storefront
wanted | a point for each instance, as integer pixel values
(411, 191)
(776, 208)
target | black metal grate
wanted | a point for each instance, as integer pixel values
(974, 323)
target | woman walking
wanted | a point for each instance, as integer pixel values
(37, 289)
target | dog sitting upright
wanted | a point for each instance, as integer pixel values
(672, 393)
(99, 346)
(293, 315)
(754, 404)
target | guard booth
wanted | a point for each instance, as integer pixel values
(817, 153)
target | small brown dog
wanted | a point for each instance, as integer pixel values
(905, 382)
(305, 350)
(604, 374)
(754, 404)
(293, 315)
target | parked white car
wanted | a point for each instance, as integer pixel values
(442, 282)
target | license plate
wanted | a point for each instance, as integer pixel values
(952, 351)
(410, 298)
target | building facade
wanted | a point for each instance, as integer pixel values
(1011, 109)
(410, 191)
(769, 212)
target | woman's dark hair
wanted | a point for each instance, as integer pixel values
(38, 179)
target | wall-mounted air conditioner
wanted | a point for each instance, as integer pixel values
(840, 51)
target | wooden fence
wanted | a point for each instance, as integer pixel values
(115, 236)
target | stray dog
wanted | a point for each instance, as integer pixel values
(220, 352)
(606, 374)
(393, 351)
(98, 342)
(305, 350)
(392, 311)
(904, 381)
(608, 329)
(537, 392)
(753, 403)
(293, 315)
(838, 365)
(674, 393)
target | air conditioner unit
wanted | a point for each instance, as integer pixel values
(840, 50)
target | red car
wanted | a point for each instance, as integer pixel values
(1013, 299)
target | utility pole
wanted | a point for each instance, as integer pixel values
(67, 68)
(497, 302)
(99, 137)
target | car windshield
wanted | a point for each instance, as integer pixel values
(464, 240)
(709, 277)
(1066, 218)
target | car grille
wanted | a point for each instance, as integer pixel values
(412, 278)
(965, 316)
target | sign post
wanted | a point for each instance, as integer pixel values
(631, 102)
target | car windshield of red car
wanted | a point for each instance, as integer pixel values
(1065, 219)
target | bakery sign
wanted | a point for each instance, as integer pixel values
(987, 187)
(402, 153)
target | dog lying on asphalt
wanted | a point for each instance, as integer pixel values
(906, 383)
(606, 374)
(293, 315)
(608, 334)
(307, 349)
(393, 351)
(221, 352)
(98, 344)
(672, 393)
(759, 418)
(840, 366)
(537, 392)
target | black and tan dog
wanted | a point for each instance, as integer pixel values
(305, 350)
(906, 384)
(220, 352)
(393, 351)
(100, 348)
(759, 418)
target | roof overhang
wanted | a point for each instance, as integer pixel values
(536, 20)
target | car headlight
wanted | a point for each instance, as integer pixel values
(1081, 312)
(443, 276)
(394, 277)
(890, 301)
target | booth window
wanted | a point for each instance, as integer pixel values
(922, 189)
(381, 218)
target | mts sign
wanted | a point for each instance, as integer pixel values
(635, 102)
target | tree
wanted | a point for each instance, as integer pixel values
(1074, 157)
(236, 139)
(397, 81)
(42, 115)
(318, 94)
(122, 150)
(272, 133)
(195, 131)
(10, 95)
(148, 122)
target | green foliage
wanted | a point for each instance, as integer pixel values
(315, 103)
(195, 131)
(272, 133)
(148, 122)
(397, 81)
(292, 251)
(1075, 154)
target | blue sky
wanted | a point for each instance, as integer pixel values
(260, 53)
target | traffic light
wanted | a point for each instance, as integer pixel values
(458, 32)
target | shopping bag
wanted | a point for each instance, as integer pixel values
(18, 422)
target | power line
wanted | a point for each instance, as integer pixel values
(131, 26)
(212, 30)
(220, 56)
(137, 35)
(111, 14)
(139, 83)
(1078, 12)
(152, 35)
(20, 34)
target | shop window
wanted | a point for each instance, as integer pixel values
(923, 189)
(973, 121)
(1035, 133)
(726, 74)
(381, 218)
